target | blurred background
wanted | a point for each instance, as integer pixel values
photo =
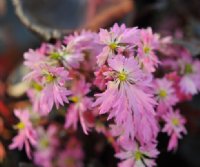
(26, 24)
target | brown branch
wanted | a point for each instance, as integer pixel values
(110, 14)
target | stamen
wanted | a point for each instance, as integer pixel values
(122, 76)
(175, 122)
(162, 93)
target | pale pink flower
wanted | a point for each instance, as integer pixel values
(175, 78)
(45, 150)
(188, 69)
(165, 94)
(71, 56)
(41, 56)
(146, 49)
(137, 156)
(127, 99)
(174, 127)
(81, 105)
(83, 39)
(80, 46)
(33, 59)
(116, 39)
(52, 88)
(190, 81)
(26, 134)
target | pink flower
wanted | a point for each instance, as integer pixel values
(137, 156)
(33, 59)
(71, 56)
(188, 69)
(46, 146)
(173, 76)
(190, 81)
(73, 154)
(117, 39)
(51, 88)
(146, 49)
(82, 104)
(26, 134)
(174, 127)
(83, 39)
(165, 94)
(127, 99)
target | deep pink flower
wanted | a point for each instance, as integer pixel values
(137, 156)
(26, 134)
(100, 78)
(174, 127)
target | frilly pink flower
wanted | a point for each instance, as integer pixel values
(165, 94)
(26, 133)
(137, 156)
(81, 104)
(174, 127)
(149, 42)
(116, 40)
(50, 82)
(126, 99)
(47, 143)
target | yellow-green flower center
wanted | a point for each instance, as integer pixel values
(175, 122)
(49, 78)
(138, 155)
(55, 55)
(37, 86)
(146, 49)
(113, 46)
(75, 99)
(188, 69)
(122, 76)
(20, 126)
(162, 93)
(44, 143)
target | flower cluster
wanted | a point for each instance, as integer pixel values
(89, 76)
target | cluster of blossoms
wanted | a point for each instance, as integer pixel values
(128, 75)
